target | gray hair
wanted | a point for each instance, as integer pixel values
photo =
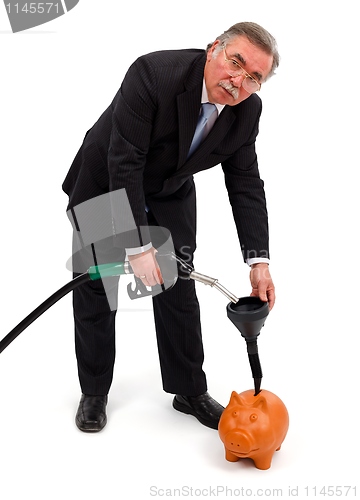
(256, 35)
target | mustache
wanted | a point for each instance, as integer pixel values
(234, 91)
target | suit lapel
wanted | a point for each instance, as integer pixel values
(216, 135)
(188, 104)
(188, 112)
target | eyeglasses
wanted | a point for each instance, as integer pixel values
(234, 69)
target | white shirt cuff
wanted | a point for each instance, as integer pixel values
(257, 260)
(135, 251)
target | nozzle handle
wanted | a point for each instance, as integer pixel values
(106, 270)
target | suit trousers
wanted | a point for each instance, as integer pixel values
(178, 333)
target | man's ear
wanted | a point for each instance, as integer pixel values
(212, 48)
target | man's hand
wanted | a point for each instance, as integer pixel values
(262, 284)
(146, 268)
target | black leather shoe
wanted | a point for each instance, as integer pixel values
(203, 407)
(91, 414)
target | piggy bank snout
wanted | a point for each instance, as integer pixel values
(238, 441)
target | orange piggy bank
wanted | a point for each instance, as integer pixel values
(253, 427)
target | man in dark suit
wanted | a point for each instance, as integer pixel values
(141, 143)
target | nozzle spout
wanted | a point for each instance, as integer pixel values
(213, 282)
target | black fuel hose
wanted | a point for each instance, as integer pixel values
(79, 280)
(166, 263)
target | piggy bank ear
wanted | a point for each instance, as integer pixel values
(261, 404)
(235, 399)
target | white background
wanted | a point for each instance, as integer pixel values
(55, 81)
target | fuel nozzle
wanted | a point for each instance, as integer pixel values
(186, 271)
(249, 315)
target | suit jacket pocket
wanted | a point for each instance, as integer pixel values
(176, 187)
(183, 191)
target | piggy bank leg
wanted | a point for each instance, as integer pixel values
(230, 456)
(263, 462)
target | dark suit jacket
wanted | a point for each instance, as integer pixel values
(141, 142)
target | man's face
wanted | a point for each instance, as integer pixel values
(225, 89)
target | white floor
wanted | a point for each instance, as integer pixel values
(308, 347)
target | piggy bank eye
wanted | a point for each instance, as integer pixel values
(234, 413)
(253, 417)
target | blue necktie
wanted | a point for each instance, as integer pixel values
(207, 116)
